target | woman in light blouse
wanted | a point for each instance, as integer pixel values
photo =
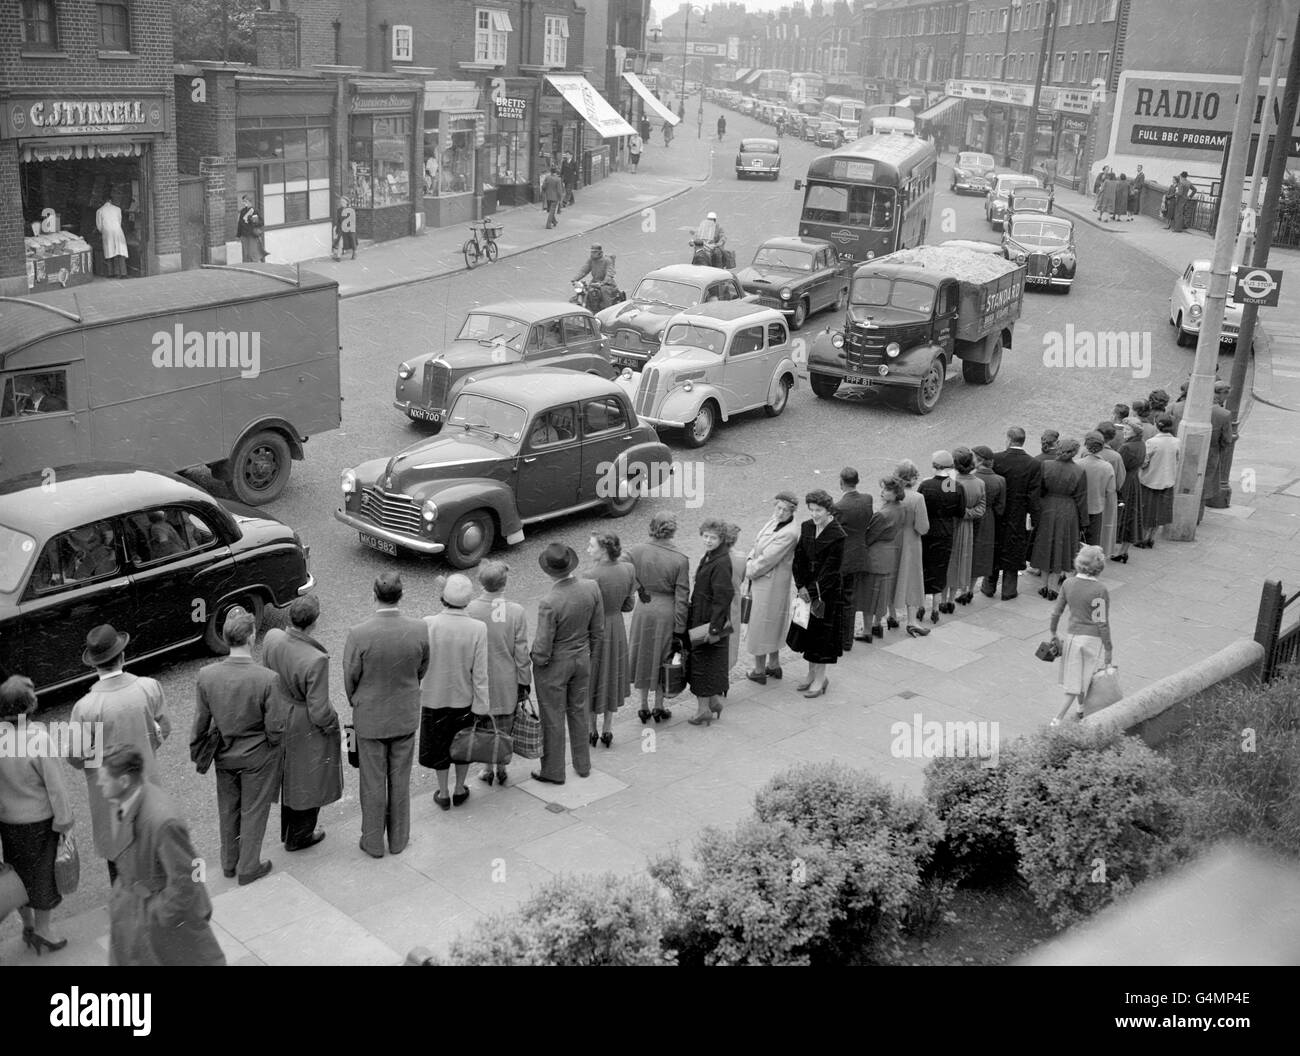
(1086, 645)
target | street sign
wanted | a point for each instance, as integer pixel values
(1258, 286)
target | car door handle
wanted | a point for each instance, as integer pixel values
(628, 436)
(531, 458)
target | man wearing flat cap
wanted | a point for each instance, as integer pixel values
(570, 625)
(120, 710)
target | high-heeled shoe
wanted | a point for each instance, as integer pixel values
(40, 942)
(948, 608)
(920, 613)
(1146, 544)
(913, 631)
(965, 599)
(501, 776)
(1121, 558)
(826, 684)
(592, 738)
(701, 720)
(891, 623)
(934, 615)
(488, 776)
(757, 676)
(607, 738)
(1048, 593)
(801, 686)
(716, 709)
(643, 715)
(661, 714)
(774, 672)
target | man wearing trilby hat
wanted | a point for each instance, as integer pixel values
(570, 625)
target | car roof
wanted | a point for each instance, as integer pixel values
(542, 388)
(81, 494)
(794, 242)
(759, 139)
(688, 273)
(1016, 176)
(731, 311)
(974, 154)
(529, 311)
(1200, 265)
(1035, 190)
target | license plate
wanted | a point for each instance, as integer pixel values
(757, 164)
(856, 379)
(382, 545)
(423, 414)
(624, 361)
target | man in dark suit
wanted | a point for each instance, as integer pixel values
(158, 912)
(853, 512)
(1024, 476)
(569, 174)
(1221, 441)
(239, 696)
(384, 660)
(570, 625)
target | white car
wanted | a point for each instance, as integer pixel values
(1187, 305)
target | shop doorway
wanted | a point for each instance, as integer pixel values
(75, 188)
(191, 202)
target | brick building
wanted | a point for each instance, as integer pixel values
(86, 116)
(918, 48)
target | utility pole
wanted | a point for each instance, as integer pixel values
(1031, 132)
(1194, 436)
(1267, 222)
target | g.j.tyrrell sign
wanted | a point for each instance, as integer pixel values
(32, 117)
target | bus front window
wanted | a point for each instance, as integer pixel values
(872, 207)
(826, 204)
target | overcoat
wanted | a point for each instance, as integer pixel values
(663, 579)
(995, 505)
(909, 590)
(509, 665)
(611, 681)
(768, 569)
(1024, 478)
(313, 764)
(817, 570)
(944, 501)
(711, 597)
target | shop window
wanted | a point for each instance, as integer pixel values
(402, 44)
(491, 35)
(40, 24)
(380, 161)
(555, 46)
(511, 161)
(1085, 70)
(1110, 10)
(286, 171)
(115, 27)
(449, 153)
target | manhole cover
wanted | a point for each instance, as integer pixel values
(555, 808)
(729, 458)
(906, 694)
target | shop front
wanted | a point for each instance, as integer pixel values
(1072, 140)
(581, 123)
(382, 131)
(85, 181)
(511, 119)
(455, 137)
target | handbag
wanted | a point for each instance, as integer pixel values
(1048, 651)
(67, 865)
(746, 604)
(800, 612)
(672, 676)
(1103, 691)
(480, 743)
(526, 736)
(207, 749)
(12, 892)
(700, 634)
(350, 746)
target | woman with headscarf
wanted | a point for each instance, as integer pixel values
(960, 583)
(1128, 526)
(945, 502)
(909, 586)
(710, 620)
(1158, 475)
(1063, 510)
(817, 560)
(610, 683)
(768, 569)
(995, 504)
(663, 580)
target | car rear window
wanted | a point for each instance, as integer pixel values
(17, 552)
(757, 146)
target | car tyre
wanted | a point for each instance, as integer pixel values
(212, 638)
(621, 507)
(983, 373)
(470, 539)
(925, 397)
(799, 315)
(700, 428)
(823, 386)
(778, 404)
(259, 468)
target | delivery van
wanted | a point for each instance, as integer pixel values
(227, 367)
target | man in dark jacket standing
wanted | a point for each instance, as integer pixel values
(238, 696)
(570, 625)
(1024, 477)
(384, 660)
(853, 512)
(569, 174)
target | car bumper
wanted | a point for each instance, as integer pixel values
(406, 542)
(1049, 280)
(309, 586)
(421, 414)
(766, 170)
(1227, 335)
(662, 423)
(970, 185)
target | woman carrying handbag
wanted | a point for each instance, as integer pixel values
(816, 569)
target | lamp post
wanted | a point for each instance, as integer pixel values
(686, 42)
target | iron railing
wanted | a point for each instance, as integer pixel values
(1280, 638)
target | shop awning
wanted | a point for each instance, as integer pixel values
(752, 76)
(648, 97)
(580, 95)
(90, 151)
(742, 73)
(940, 108)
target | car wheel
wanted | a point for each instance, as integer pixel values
(470, 540)
(259, 468)
(983, 373)
(800, 314)
(774, 409)
(217, 620)
(621, 507)
(1184, 338)
(925, 397)
(701, 427)
(823, 385)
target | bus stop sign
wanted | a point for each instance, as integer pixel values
(1259, 286)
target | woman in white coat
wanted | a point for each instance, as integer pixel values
(768, 569)
(108, 222)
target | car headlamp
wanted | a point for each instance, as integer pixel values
(892, 349)
(1020, 258)
(429, 511)
(349, 482)
(1195, 311)
(837, 340)
(1056, 262)
(785, 293)
(404, 371)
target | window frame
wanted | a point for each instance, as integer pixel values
(555, 41)
(491, 41)
(740, 332)
(407, 35)
(32, 591)
(263, 166)
(187, 535)
(609, 429)
(125, 8)
(8, 383)
(27, 19)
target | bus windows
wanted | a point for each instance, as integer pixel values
(871, 207)
(826, 204)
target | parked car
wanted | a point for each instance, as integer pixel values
(504, 338)
(633, 328)
(144, 550)
(995, 203)
(509, 456)
(829, 134)
(1030, 200)
(1045, 245)
(717, 361)
(1187, 306)
(971, 172)
(798, 277)
(758, 157)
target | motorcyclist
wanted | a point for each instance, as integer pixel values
(714, 238)
(602, 289)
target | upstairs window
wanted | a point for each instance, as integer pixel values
(114, 27)
(402, 43)
(555, 48)
(40, 24)
(491, 35)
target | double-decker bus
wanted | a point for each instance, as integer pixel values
(870, 197)
(845, 111)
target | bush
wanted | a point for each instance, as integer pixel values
(574, 920)
(979, 844)
(1239, 762)
(1094, 814)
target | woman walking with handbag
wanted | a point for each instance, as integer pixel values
(610, 682)
(768, 572)
(816, 569)
(510, 667)
(35, 812)
(663, 580)
(710, 624)
(1086, 645)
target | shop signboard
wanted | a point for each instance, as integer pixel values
(378, 104)
(507, 107)
(1073, 124)
(450, 95)
(32, 116)
(705, 47)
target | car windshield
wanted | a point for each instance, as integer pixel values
(758, 146)
(794, 259)
(664, 291)
(696, 336)
(1055, 234)
(876, 291)
(493, 330)
(975, 161)
(482, 413)
(17, 551)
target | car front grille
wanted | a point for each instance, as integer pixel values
(397, 513)
(646, 392)
(437, 384)
(866, 348)
(767, 300)
(1038, 265)
(632, 341)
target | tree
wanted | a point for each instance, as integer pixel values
(214, 29)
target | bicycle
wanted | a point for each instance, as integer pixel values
(474, 250)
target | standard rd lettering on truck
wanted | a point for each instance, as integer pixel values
(996, 300)
(217, 349)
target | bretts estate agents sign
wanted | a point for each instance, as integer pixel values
(32, 117)
(1177, 116)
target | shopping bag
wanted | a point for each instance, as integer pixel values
(672, 676)
(206, 750)
(67, 865)
(526, 737)
(483, 742)
(1103, 691)
(746, 605)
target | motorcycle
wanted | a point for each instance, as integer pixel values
(702, 254)
(595, 296)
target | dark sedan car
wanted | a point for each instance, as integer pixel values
(798, 276)
(509, 456)
(758, 157)
(971, 172)
(148, 552)
(501, 339)
(1030, 200)
(1045, 245)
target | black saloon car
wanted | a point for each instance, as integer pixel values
(148, 552)
(797, 276)
(510, 455)
(501, 339)
(1045, 245)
